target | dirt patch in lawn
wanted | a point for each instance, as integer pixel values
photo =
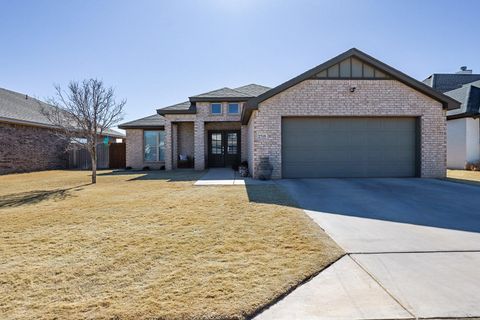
(149, 246)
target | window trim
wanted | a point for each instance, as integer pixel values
(238, 108)
(157, 154)
(221, 108)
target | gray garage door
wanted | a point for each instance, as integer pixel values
(348, 147)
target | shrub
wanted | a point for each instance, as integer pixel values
(146, 168)
(472, 166)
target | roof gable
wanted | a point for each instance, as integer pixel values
(351, 68)
(351, 61)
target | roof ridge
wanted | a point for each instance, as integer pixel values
(239, 91)
(253, 84)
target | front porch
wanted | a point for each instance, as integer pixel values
(200, 144)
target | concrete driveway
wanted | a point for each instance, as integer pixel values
(414, 244)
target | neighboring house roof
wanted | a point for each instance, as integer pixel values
(444, 82)
(113, 133)
(153, 121)
(19, 108)
(469, 96)
(447, 102)
(243, 93)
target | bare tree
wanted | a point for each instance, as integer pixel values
(83, 112)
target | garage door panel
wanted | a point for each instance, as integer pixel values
(348, 147)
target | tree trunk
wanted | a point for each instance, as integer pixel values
(94, 165)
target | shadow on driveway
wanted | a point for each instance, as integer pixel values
(425, 202)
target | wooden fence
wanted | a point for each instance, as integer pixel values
(109, 156)
(117, 155)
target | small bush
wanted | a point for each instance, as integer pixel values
(128, 168)
(472, 166)
(162, 168)
(146, 168)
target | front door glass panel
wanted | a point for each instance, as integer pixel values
(232, 142)
(216, 146)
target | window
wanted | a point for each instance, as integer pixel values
(154, 145)
(232, 143)
(216, 143)
(216, 108)
(233, 108)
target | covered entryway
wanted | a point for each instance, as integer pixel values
(223, 148)
(327, 147)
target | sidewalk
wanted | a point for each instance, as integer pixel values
(226, 177)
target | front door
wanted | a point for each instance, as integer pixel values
(223, 148)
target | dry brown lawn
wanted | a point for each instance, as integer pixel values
(149, 246)
(471, 177)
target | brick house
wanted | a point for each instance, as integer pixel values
(27, 138)
(352, 116)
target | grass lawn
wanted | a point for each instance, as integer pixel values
(149, 246)
(472, 177)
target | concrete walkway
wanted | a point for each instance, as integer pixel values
(417, 241)
(226, 177)
(342, 291)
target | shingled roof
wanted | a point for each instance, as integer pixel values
(225, 94)
(253, 90)
(153, 121)
(19, 108)
(182, 107)
(443, 82)
(221, 93)
(469, 96)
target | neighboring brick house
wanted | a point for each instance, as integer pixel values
(352, 116)
(27, 138)
(463, 124)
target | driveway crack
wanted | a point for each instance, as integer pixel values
(381, 286)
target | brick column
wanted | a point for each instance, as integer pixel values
(199, 145)
(168, 145)
(174, 145)
(243, 143)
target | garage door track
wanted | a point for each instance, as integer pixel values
(413, 250)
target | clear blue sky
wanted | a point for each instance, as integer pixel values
(157, 53)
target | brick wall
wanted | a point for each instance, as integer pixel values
(134, 150)
(28, 148)
(202, 121)
(333, 98)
